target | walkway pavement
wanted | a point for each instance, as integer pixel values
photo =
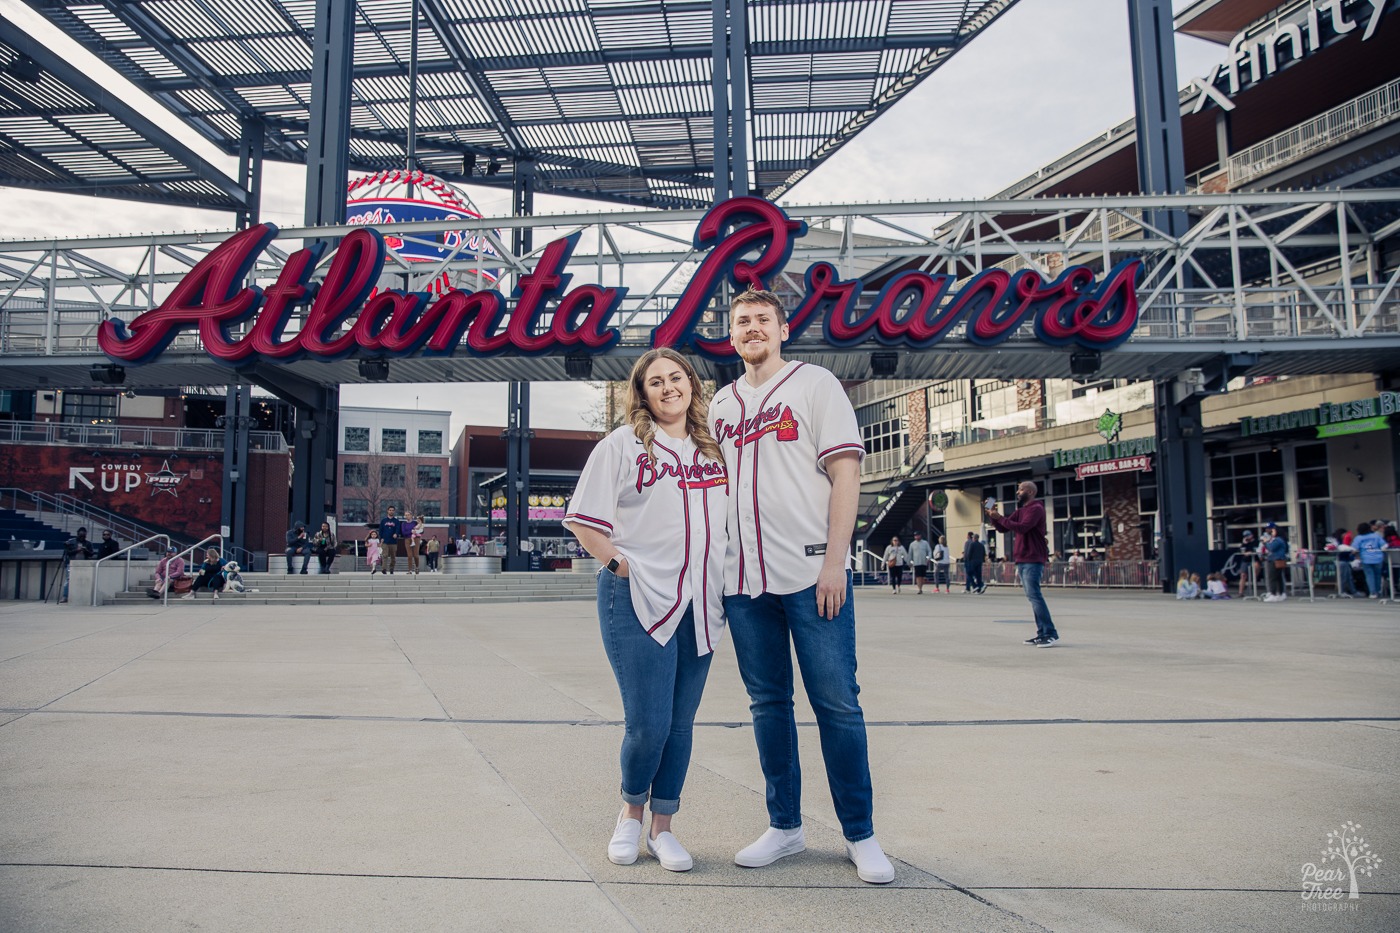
(1167, 767)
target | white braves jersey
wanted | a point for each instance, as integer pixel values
(776, 439)
(667, 519)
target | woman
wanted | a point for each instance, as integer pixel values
(412, 539)
(211, 575)
(432, 549)
(1371, 546)
(323, 545)
(171, 567)
(896, 557)
(650, 506)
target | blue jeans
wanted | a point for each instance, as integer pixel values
(765, 630)
(661, 687)
(1030, 582)
(1375, 577)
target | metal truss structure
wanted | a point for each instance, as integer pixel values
(1296, 282)
(664, 103)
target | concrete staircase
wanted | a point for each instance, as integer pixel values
(359, 589)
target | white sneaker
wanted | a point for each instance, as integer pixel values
(626, 840)
(669, 852)
(188, 596)
(871, 864)
(771, 846)
(216, 597)
(1271, 598)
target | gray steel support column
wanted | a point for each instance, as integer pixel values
(738, 97)
(327, 174)
(517, 436)
(518, 431)
(719, 87)
(1181, 485)
(236, 422)
(250, 171)
(1160, 155)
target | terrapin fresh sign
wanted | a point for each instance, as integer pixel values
(1331, 419)
(748, 242)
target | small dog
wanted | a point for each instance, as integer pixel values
(233, 578)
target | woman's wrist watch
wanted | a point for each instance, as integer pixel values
(614, 564)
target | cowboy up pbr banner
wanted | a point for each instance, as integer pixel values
(164, 489)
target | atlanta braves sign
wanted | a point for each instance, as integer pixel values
(748, 242)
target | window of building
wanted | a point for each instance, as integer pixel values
(430, 442)
(1247, 491)
(392, 475)
(393, 440)
(386, 504)
(1310, 468)
(947, 412)
(355, 474)
(429, 476)
(89, 408)
(995, 411)
(1077, 507)
(883, 431)
(354, 510)
(429, 508)
(357, 439)
(1147, 512)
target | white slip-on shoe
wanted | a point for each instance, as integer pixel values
(669, 852)
(871, 864)
(626, 841)
(771, 846)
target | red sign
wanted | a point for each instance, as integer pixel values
(749, 240)
(1141, 464)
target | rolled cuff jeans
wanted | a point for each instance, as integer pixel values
(766, 630)
(661, 687)
(1030, 582)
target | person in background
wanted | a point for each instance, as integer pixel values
(1249, 560)
(896, 559)
(374, 552)
(942, 565)
(211, 575)
(1371, 546)
(1339, 543)
(451, 549)
(390, 531)
(974, 556)
(1216, 588)
(109, 546)
(432, 548)
(298, 543)
(1275, 562)
(1031, 554)
(920, 555)
(78, 547)
(324, 544)
(412, 531)
(1185, 588)
(171, 567)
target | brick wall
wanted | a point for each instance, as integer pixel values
(918, 417)
(1030, 395)
(269, 501)
(1120, 507)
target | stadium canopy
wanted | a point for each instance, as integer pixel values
(601, 99)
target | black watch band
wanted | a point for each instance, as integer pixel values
(613, 564)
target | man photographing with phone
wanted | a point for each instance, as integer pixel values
(1030, 553)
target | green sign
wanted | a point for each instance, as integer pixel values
(1332, 416)
(1352, 427)
(1113, 450)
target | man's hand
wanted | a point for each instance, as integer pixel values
(991, 512)
(831, 590)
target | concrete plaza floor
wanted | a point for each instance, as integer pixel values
(1167, 767)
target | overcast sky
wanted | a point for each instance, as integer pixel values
(1047, 76)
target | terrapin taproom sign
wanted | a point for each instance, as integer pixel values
(748, 242)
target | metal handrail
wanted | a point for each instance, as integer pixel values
(129, 436)
(97, 564)
(64, 504)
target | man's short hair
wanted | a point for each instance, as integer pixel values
(756, 296)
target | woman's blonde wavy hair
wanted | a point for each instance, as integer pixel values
(639, 416)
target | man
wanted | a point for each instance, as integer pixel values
(942, 565)
(1031, 554)
(109, 545)
(974, 556)
(793, 449)
(919, 555)
(1275, 561)
(77, 547)
(390, 532)
(298, 543)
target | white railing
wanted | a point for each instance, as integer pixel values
(1353, 118)
(126, 585)
(127, 437)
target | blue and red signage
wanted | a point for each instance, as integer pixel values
(748, 242)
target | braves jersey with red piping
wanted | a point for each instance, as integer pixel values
(776, 438)
(667, 518)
